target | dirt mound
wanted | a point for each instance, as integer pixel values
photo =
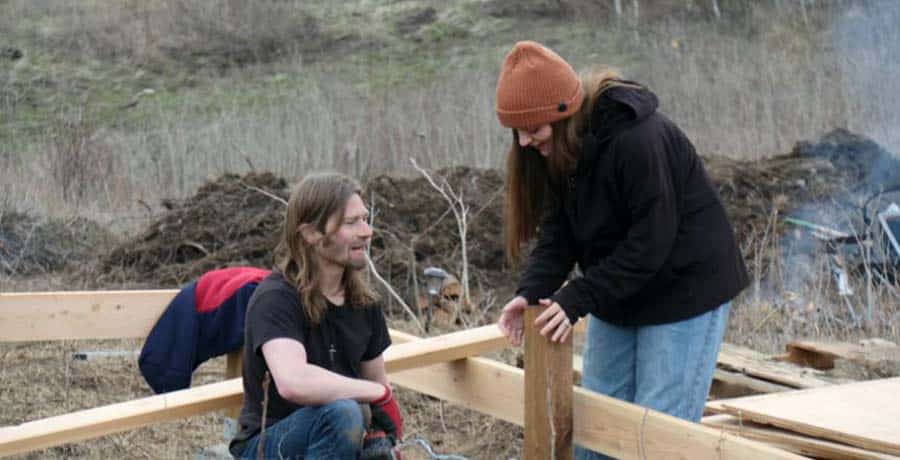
(842, 166)
(232, 221)
(31, 246)
(416, 227)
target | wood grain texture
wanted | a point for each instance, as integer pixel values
(80, 315)
(862, 414)
(548, 390)
(755, 364)
(794, 442)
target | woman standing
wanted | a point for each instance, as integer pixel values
(604, 181)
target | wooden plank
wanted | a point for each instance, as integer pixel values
(727, 384)
(601, 423)
(862, 414)
(821, 355)
(715, 407)
(548, 382)
(77, 315)
(755, 364)
(114, 418)
(447, 347)
(793, 442)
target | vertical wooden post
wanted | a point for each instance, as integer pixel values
(548, 394)
(233, 370)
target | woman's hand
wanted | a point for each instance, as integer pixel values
(553, 322)
(512, 319)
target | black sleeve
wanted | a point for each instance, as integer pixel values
(552, 258)
(380, 339)
(272, 315)
(644, 172)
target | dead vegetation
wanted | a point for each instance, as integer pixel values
(234, 220)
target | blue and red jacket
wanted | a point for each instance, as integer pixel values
(205, 320)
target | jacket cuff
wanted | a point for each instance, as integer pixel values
(530, 295)
(567, 298)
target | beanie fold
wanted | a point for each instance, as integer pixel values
(536, 87)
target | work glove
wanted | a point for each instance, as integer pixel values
(386, 415)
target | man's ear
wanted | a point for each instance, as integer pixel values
(309, 234)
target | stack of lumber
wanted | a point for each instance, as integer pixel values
(859, 420)
(873, 355)
(829, 418)
(741, 371)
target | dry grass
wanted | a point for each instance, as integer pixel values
(795, 293)
(746, 86)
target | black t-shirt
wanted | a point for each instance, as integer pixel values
(344, 338)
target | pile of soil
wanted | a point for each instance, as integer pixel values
(230, 221)
(31, 245)
(416, 227)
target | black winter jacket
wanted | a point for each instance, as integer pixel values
(642, 220)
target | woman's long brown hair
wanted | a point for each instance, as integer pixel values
(317, 198)
(532, 180)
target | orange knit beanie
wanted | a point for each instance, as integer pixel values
(536, 87)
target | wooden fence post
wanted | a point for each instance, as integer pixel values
(548, 394)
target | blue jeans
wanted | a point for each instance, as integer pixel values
(333, 431)
(666, 367)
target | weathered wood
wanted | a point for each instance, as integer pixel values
(862, 414)
(822, 355)
(755, 364)
(728, 384)
(793, 442)
(548, 384)
(80, 315)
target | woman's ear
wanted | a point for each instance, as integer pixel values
(309, 234)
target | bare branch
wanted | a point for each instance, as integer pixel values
(393, 293)
(268, 194)
(461, 213)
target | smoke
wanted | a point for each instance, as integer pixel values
(866, 39)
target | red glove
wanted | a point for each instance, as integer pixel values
(386, 414)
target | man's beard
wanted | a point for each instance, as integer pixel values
(348, 263)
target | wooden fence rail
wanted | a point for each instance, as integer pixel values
(438, 366)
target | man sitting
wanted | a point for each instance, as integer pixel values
(315, 335)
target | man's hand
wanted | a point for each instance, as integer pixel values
(511, 320)
(553, 322)
(386, 415)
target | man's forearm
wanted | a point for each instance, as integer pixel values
(317, 386)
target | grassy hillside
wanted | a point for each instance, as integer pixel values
(109, 104)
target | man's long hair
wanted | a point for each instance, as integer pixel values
(317, 198)
(532, 179)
